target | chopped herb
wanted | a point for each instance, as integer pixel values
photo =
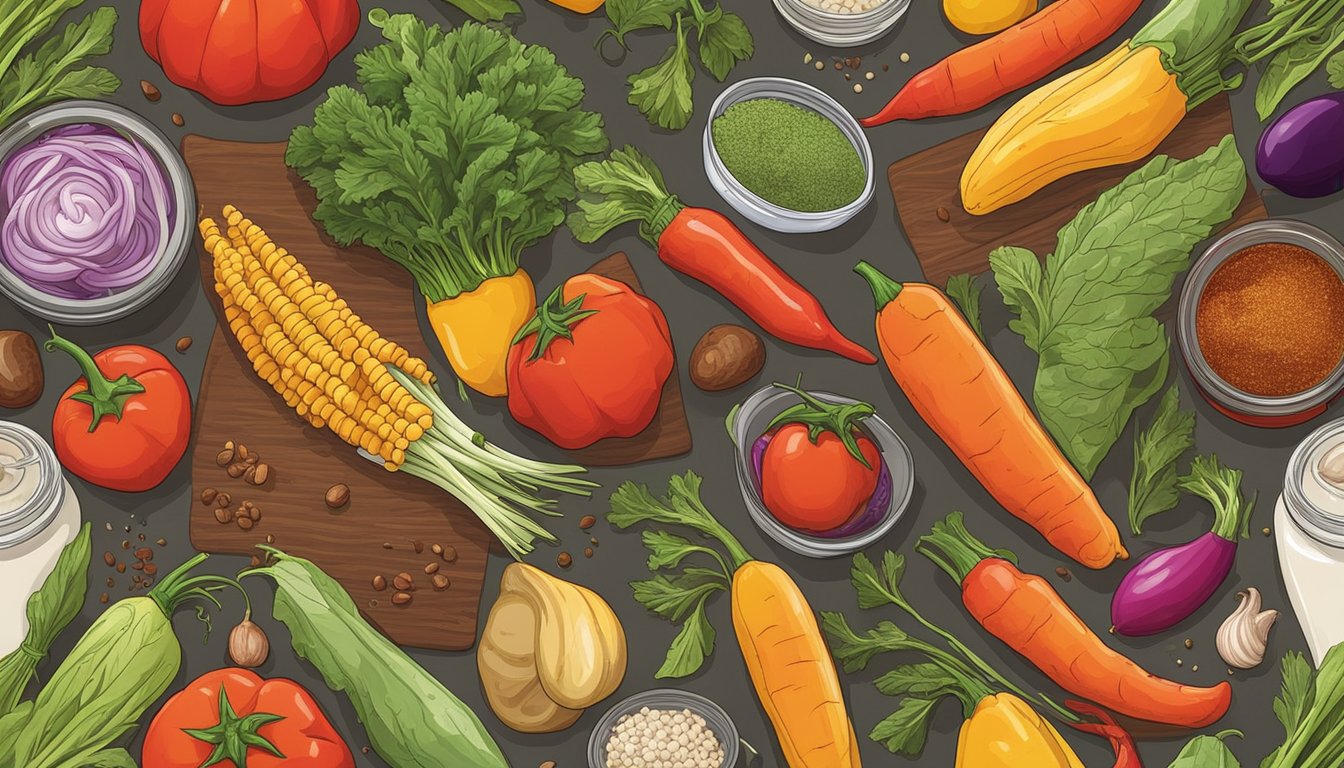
(1153, 486)
(51, 71)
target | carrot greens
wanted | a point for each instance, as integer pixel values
(1153, 487)
(965, 293)
(32, 75)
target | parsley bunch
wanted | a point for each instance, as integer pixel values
(32, 75)
(663, 92)
(458, 153)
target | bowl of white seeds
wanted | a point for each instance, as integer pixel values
(664, 728)
(842, 23)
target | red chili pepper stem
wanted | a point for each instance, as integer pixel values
(105, 396)
(885, 290)
(841, 419)
(233, 736)
(554, 319)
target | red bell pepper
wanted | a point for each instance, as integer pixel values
(232, 718)
(591, 363)
(150, 410)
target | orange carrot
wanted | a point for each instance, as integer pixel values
(1016, 57)
(791, 668)
(1027, 614)
(962, 393)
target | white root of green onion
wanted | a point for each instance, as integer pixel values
(496, 485)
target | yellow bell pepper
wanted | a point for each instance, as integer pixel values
(579, 6)
(1005, 732)
(476, 329)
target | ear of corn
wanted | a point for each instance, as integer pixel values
(337, 373)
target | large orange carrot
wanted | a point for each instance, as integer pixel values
(1027, 614)
(962, 393)
(791, 668)
(1016, 57)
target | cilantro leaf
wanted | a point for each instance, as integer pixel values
(906, 730)
(874, 589)
(724, 39)
(927, 680)
(692, 645)
(853, 650)
(51, 72)
(1153, 487)
(1220, 485)
(662, 93)
(674, 597)
(628, 16)
(965, 294)
(1088, 313)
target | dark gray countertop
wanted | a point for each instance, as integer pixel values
(822, 262)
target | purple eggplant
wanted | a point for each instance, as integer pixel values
(1168, 585)
(1302, 153)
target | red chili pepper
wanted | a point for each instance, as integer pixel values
(705, 245)
(1126, 753)
(150, 410)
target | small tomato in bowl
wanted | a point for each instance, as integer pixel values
(819, 469)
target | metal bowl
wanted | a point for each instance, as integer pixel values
(1243, 406)
(841, 30)
(757, 208)
(172, 253)
(666, 698)
(751, 421)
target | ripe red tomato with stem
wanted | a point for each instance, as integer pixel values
(819, 469)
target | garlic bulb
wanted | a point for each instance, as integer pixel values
(1243, 636)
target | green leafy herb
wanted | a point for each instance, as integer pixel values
(905, 731)
(487, 10)
(1297, 38)
(1152, 487)
(662, 93)
(724, 39)
(1208, 752)
(1335, 68)
(1221, 487)
(412, 721)
(1311, 708)
(965, 293)
(50, 610)
(681, 596)
(51, 72)
(628, 16)
(1088, 312)
(457, 155)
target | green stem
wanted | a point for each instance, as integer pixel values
(884, 288)
(952, 548)
(554, 319)
(232, 736)
(840, 419)
(105, 396)
(1194, 37)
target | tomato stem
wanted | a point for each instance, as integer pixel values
(554, 319)
(105, 396)
(233, 736)
(841, 419)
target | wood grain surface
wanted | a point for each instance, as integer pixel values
(925, 182)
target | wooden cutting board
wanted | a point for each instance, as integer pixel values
(927, 181)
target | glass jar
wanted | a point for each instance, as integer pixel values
(1309, 533)
(39, 515)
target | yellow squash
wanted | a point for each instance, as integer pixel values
(1005, 732)
(1114, 112)
(476, 329)
(791, 668)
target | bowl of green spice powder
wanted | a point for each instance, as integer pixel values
(787, 156)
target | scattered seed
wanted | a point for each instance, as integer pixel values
(380, 582)
(847, 77)
(1189, 643)
(1266, 531)
(103, 598)
(373, 602)
(224, 499)
(1195, 668)
(432, 569)
(587, 551)
(1229, 672)
(162, 542)
(250, 474)
(886, 67)
(243, 452)
(1112, 629)
(587, 521)
(820, 65)
(236, 469)
(151, 569)
(449, 554)
(245, 522)
(418, 546)
(137, 566)
(254, 513)
(943, 214)
(858, 87)
(223, 515)
(402, 581)
(108, 526)
(183, 344)
(905, 57)
(150, 90)
(121, 567)
(868, 75)
(564, 560)
(1063, 573)
(256, 561)
(807, 58)
(1179, 662)
(110, 559)
(547, 764)
(179, 120)
(224, 458)
(439, 581)
(261, 473)
(839, 65)
(208, 495)
(401, 598)
(111, 582)
(144, 553)
(387, 545)
(436, 549)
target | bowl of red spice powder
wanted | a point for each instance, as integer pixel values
(1261, 322)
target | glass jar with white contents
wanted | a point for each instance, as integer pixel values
(842, 23)
(1309, 528)
(39, 515)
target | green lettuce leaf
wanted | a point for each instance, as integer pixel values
(1088, 312)
(1208, 752)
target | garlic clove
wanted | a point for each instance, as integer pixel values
(248, 645)
(1244, 635)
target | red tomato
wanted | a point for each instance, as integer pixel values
(817, 486)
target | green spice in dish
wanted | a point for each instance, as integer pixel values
(789, 155)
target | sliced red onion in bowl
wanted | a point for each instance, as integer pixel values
(84, 212)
